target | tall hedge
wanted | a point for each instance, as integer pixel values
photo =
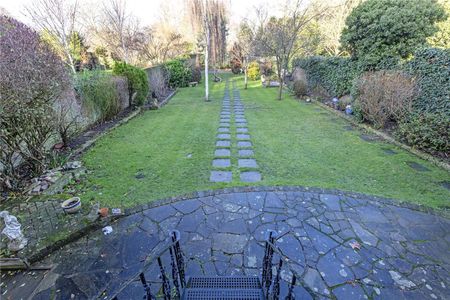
(137, 81)
(431, 67)
(179, 73)
(334, 74)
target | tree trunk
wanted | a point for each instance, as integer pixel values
(206, 61)
(245, 78)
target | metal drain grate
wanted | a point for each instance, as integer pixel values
(225, 282)
(223, 294)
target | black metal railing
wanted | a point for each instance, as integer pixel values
(171, 287)
(271, 285)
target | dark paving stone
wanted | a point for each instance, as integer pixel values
(222, 152)
(369, 138)
(350, 291)
(389, 152)
(220, 176)
(416, 166)
(244, 144)
(221, 163)
(245, 153)
(247, 163)
(445, 184)
(250, 176)
(223, 144)
(242, 129)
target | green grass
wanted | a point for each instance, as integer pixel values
(294, 145)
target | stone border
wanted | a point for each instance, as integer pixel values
(165, 101)
(39, 255)
(428, 157)
(85, 146)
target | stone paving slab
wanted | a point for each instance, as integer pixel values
(222, 152)
(245, 152)
(223, 144)
(401, 253)
(250, 176)
(241, 136)
(244, 144)
(247, 163)
(224, 136)
(221, 176)
(242, 129)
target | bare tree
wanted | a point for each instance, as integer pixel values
(279, 37)
(247, 48)
(57, 17)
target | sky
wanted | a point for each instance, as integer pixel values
(147, 11)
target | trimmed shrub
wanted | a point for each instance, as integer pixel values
(334, 74)
(179, 74)
(383, 96)
(137, 81)
(300, 88)
(431, 67)
(98, 94)
(377, 29)
(253, 71)
(428, 131)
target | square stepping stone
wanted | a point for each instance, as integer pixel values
(246, 152)
(250, 176)
(243, 136)
(241, 120)
(241, 124)
(247, 163)
(224, 136)
(225, 120)
(223, 129)
(224, 144)
(225, 113)
(222, 152)
(220, 176)
(221, 163)
(242, 129)
(416, 166)
(244, 144)
(224, 124)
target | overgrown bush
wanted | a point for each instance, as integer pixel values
(253, 71)
(137, 81)
(158, 82)
(32, 79)
(98, 94)
(334, 74)
(427, 131)
(300, 88)
(384, 96)
(431, 67)
(179, 74)
(377, 29)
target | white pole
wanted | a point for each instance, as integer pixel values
(205, 12)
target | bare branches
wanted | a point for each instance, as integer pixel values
(58, 18)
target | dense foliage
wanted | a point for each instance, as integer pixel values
(300, 88)
(377, 29)
(431, 67)
(178, 72)
(334, 74)
(427, 131)
(253, 71)
(137, 81)
(33, 78)
(98, 93)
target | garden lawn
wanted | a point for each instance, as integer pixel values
(168, 152)
(297, 143)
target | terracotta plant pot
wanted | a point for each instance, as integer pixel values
(71, 205)
(103, 212)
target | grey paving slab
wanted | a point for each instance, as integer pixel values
(223, 129)
(242, 136)
(221, 162)
(221, 176)
(222, 152)
(224, 136)
(416, 166)
(245, 152)
(242, 129)
(224, 144)
(242, 124)
(250, 176)
(224, 124)
(244, 144)
(247, 163)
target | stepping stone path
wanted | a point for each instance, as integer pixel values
(225, 154)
